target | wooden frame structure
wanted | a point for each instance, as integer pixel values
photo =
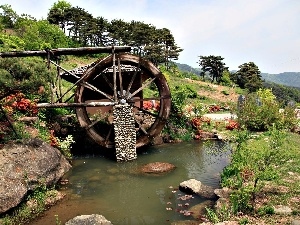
(119, 78)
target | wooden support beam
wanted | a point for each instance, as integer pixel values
(61, 105)
(66, 51)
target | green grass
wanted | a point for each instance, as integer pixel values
(25, 212)
(277, 190)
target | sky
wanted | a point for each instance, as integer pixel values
(266, 32)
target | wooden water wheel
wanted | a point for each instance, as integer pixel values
(123, 79)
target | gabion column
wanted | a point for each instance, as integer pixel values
(125, 133)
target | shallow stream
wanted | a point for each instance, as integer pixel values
(98, 185)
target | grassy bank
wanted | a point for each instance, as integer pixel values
(264, 175)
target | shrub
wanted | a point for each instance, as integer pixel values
(260, 111)
(18, 102)
(178, 127)
(225, 79)
(265, 210)
(241, 200)
(251, 166)
(231, 125)
(26, 76)
(180, 94)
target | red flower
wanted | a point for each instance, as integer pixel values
(53, 140)
(147, 105)
(196, 122)
(232, 125)
(214, 108)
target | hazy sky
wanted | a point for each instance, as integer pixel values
(266, 32)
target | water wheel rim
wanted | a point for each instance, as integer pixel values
(159, 81)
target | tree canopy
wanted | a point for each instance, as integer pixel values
(69, 26)
(214, 65)
(157, 45)
(248, 76)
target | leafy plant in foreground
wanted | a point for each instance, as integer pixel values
(251, 165)
(260, 111)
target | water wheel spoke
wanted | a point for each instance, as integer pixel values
(93, 88)
(140, 126)
(107, 81)
(146, 112)
(148, 99)
(146, 84)
(131, 81)
(108, 134)
(92, 124)
(120, 78)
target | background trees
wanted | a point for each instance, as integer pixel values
(57, 14)
(248, 76)
(8, 16)
(39, 34)
(214, 65)
(69, 26)
(157, 45)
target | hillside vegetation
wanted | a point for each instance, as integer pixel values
(291, 79)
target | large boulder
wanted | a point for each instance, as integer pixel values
(24, 166)
(93, 219)
(193, 186)
(157, 168)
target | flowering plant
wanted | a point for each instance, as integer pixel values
(231, 125)
(214, 108)
(18, 102)
(151, 105)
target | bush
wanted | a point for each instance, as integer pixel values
(251, 165)
(260, 111)
(241, 200)
(10, 42)
(178, 127)
(26, 76)
(225, 79)
(179, 96)
(265, 210)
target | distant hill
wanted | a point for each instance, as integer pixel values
(187, 68)
(291, 79)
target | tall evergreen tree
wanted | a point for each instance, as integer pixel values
(214, 65)
(101, 34)
(248, 76)
(141, 37)
(57, 14)
(8, 16)
(157, 45)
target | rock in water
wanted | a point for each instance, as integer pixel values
(157, 168)
(93, 219)
(194, 186)
(24, 166)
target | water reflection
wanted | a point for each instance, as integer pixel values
(124, 196)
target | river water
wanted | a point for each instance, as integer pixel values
(98, 185)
